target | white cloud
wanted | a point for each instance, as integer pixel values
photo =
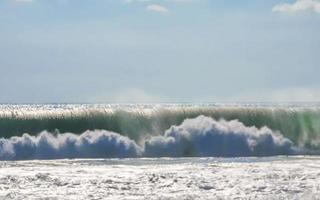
(153, 6)
(298, 6)
(157, 8)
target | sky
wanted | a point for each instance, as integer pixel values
(148, 51)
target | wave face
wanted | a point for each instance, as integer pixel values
(157, 130)
(201, 136)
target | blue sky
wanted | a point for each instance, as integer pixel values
(159, 50)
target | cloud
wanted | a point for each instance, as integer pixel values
(152, 6)
(298, 6)
(157, 8)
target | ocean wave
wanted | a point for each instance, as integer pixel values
(299, 123)
(200, 136)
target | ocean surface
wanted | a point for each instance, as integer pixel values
(293, 178)
(160, 151)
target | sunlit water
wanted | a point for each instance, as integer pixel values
(171, 178)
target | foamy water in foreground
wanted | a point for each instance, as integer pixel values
(174, 178)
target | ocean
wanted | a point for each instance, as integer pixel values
(160, 151)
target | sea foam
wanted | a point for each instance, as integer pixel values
(91, 144)
(204, 136)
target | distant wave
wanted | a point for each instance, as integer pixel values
(200, 136)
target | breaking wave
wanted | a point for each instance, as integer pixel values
(299, 123)
(200, 136)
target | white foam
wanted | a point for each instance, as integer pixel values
(204, 136)
(91, 144)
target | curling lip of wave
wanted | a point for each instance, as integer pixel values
(201, 136)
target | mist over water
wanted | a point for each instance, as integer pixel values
(122, 131)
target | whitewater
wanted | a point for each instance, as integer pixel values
(162, 178)
(160, 151)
